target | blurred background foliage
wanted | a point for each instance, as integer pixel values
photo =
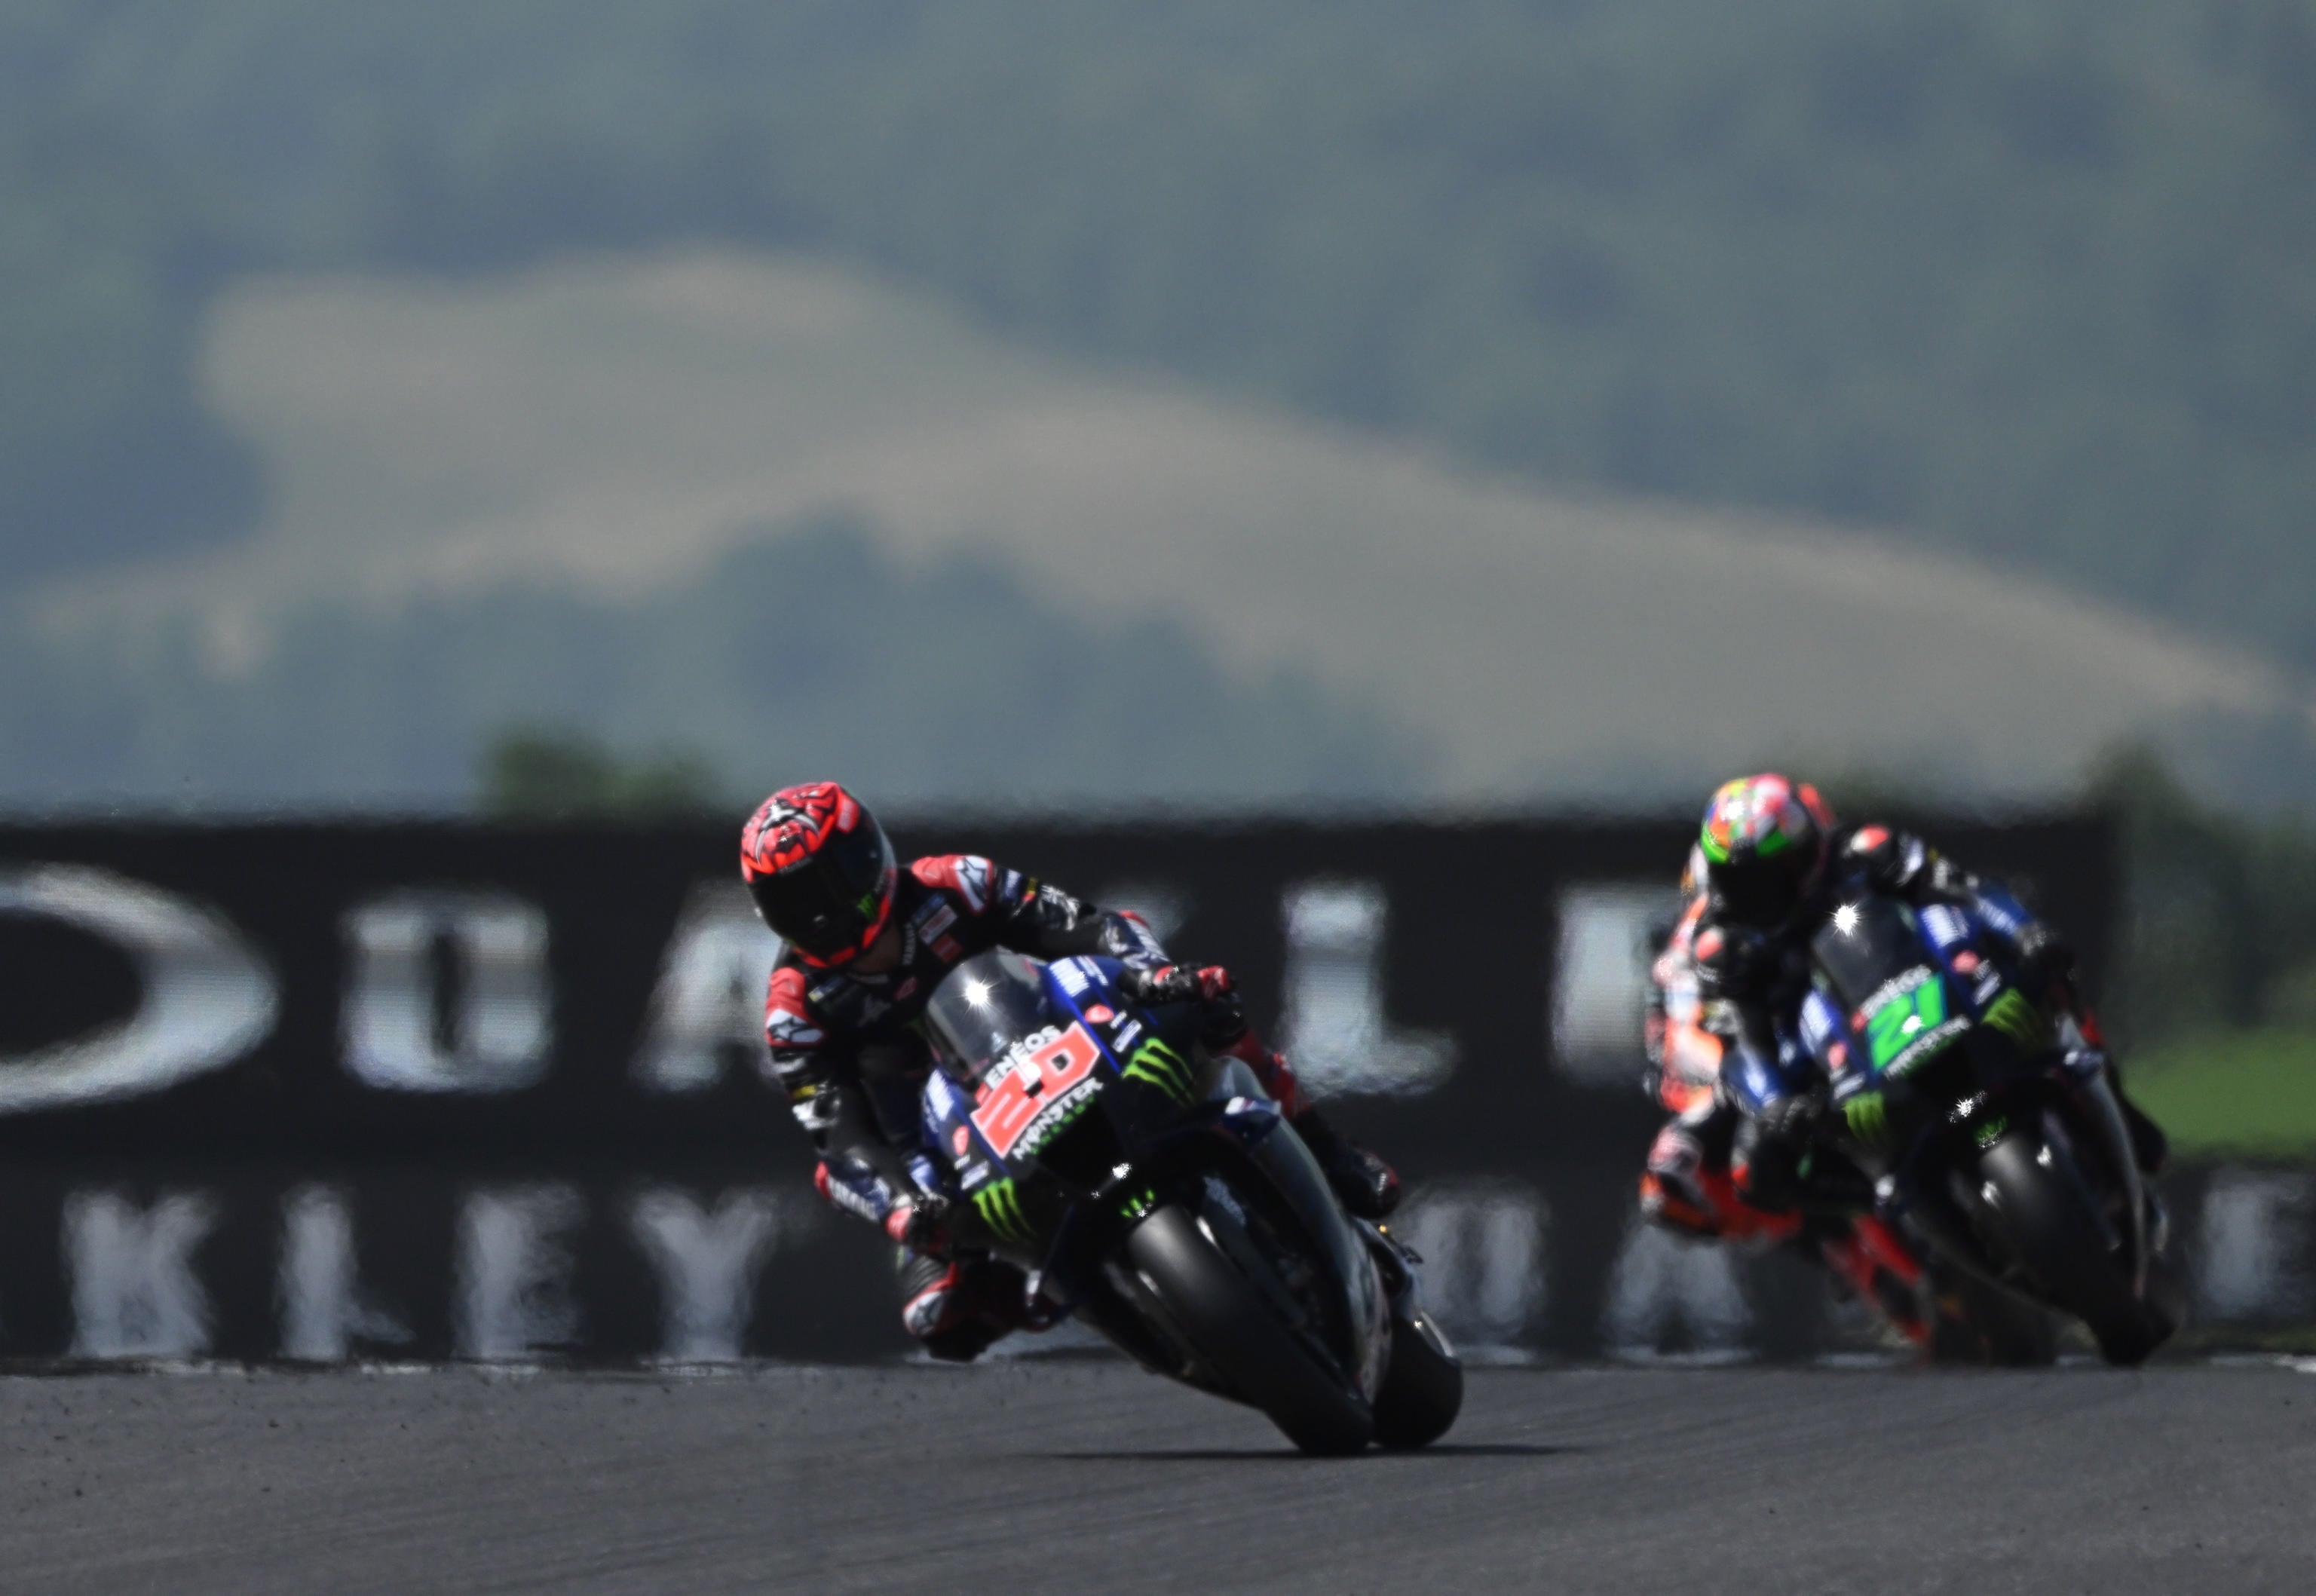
(540, 773)
(2214, 993)
(2027, 277)
(923, 686)
(2209, 996)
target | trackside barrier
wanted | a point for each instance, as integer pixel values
(319, 1092)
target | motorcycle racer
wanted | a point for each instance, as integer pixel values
(1775, 862)
(867, 942)
(1686, 1187)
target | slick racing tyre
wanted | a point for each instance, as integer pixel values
(1228, 1321)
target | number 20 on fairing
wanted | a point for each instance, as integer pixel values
(1010, 1106)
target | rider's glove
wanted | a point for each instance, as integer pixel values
(921, 1223)
(1791, 1119)
(1221, 1022)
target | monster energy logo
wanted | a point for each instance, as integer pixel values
(2016, 1018)
(1868, 1117)
(999, 1204)
(1162, 1067)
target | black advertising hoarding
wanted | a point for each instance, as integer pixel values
(425, 1090)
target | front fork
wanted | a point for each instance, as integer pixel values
(2102, 1116)
(2106, 1124)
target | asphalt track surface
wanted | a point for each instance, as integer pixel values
(1088, 1476)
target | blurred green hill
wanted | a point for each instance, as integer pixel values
(615, 422)
(2028, 276)
(800, 653)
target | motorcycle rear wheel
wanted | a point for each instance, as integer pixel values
(1228, 1323)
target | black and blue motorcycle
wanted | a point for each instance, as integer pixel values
(1155, 1190)
(1989, 1125)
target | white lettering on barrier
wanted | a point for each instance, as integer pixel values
(708, 1262)
(1482, 1244)
(206, 997)
(2253, 1241)
(1665, 1289)
(1335, 1028)
(449, 993)
(513, 1272)
(710, 1002)
(134, 1292)
(1600, 986)
(1161, 907)
(133, 1277)
(323, 1307)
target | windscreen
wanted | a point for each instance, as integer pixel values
(985, 1005)
(1865, 944)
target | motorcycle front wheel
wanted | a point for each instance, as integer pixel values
(1228, 1321)
(2054, 1227)
(1422, 1385)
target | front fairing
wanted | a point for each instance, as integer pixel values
(1047, 1080)
(1916, 1029)
(1984, 1061)
(1156, 1118)
(1257, 1132)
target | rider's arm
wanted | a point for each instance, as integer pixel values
(1757, 1073)
(1018, 912)
(1751, 979)
(1770, 1078)
(859, 1171)
(1903, 863)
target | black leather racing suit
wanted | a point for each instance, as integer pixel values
(1764, 977)
(843, 1046)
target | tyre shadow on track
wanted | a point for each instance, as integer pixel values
(1446, 1448)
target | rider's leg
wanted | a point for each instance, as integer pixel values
(1686, 1186)
(956, 1308)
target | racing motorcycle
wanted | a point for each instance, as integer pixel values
(1913, 1292)
(1986, 1120)
(1154, 1192)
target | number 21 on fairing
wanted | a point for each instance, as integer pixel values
(1010, 1106)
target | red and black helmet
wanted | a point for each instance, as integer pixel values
(821, 871)
(1766, 842)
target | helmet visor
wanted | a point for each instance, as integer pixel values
(835, 901)
(1760, 893)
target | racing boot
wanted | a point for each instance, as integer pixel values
(957, 1308)
(1368, 1186)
